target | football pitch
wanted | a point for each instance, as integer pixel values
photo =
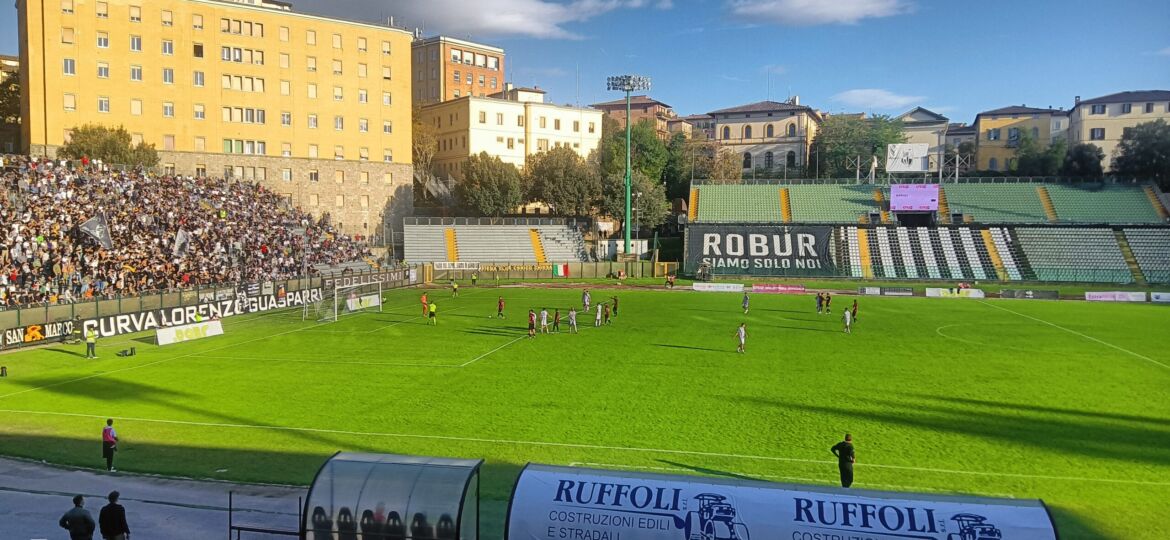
(1068, 402)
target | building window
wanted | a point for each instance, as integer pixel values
(493, 83)
(136, 43)
(286, 119)
(747, 160)
(167, 18)
(386, 72)
(337, 67)
(286, 175)
(135, 14)
(387, 127)
(312, 121)
(285, 88)
(197, 78)
(314, 176)
(520, 120)
(1097, 134)
(103, 70)
(557, 124)
(363, 125)
(388, 157)
(768, 156)
(69, 66)
(726, 132)
(338, 123)
(993, 135)
(457, 76)
(136, 73)
(769, 132)
(481, 80)
(791, 130)
(790, 159)
(168, 110)
(197, 50)
(70, 103)
(312, 91)
(1013, 134)
(993, 164)
(543, 122)
(200, 112)
(102, 10)
(197, 22)
(311, 63)
(136, 107)
(336, 41)
(168, 76)
(1149, 108)
(103, 40)
(339, 154)
(363, 96)
(747, 132)
(103, 104)
(1035, 133)
(337, 94)
(592, 128)
(364, 155)
(66, 6)
(311, 37)
(386, 98)
(67, 36)
(1098, 109)
(1126, 108)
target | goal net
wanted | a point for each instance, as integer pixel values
(345, 300)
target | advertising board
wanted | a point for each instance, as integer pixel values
(140, 321)
(954, 292)
(456, 265)
(35, 333)
(914, 197)
(188, 332)
(717, 287)
(1115, 296)
(1027, 294)
(563, 502)
(913, 157)
(384, 276)
(1160, 297)
(760, 250)
(359, 303)
(776, 288)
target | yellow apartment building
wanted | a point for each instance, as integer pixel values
(999, 132)
(448, 68)
(317, 109)
(1103, 120)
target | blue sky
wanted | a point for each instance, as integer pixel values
(879, 56)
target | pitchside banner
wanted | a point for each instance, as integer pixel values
(561, 502)
(188, 332)
(363, 302)
(129, 323)
(384, 276)
(760, 250)
(1160, 297)
(1115, 296)
(35, 333)
(954, 293)
(717, 287)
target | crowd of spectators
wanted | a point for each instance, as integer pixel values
(238, 232)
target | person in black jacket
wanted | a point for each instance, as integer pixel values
(845, 458)
(78, 521)
(112, 520)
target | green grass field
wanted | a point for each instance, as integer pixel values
(1064, 401)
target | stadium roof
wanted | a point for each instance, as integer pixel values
(634, 100)
(1128, 97)
(762, 106)
(1023, 109)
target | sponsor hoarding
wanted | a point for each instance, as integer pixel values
(383, 276)
(775, 288)
(362, 302)
(562, 502)
(914, 197)
(1115, 296)
(870, 291)
(188, 332)
(954, 292)
(760, 250)
(897, 291)
(456, 266)
(129, 323)
(907, 157)
(718, 287)
(1160, 297)
(1027, 294)
(35, 333)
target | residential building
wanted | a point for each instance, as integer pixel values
(768, 135)
(9, 132)
(923, 126)
(679, 125)
(510, 128)
(701, 124)
(641, 108)
(959, 133)
(1103, 120)
(1000, 130)
(447, 68)
(254, 90)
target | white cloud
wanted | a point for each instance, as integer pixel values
(875, 99)
(814, 12)
(546, 19)
(1164, 52)
(773, 69)
(730, 78)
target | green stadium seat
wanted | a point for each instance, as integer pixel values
(1097, 203)
(1151, 248)
(1068, 254)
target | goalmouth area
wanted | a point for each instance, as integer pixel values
(1060, 401)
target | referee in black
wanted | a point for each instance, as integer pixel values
(845, 458)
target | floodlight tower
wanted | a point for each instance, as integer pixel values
(627, 84)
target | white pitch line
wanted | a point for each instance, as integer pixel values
(484, 355)
(302, 361)
(1074, 332)
(780, 477)
(577, 445)
(156, 362)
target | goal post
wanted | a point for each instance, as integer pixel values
(345, 300)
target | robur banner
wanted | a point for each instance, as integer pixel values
(129, 323)
(35, 333)
(561, 502)
(760, 250)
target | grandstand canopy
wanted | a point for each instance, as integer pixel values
(392, 496)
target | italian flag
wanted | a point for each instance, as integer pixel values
(560, 270)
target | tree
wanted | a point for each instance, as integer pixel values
(648, 203)
(1032, 160)
(680, 156)
(10, 100)
(725, 166)
(111, 145)
(489, 187)
(424, 143)
(647, 152)
(1144, 153)
(562, 180)
(844, 138)
(1083, 161)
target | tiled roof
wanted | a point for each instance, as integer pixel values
(634, 100)
(762, 106)
(1134, 96)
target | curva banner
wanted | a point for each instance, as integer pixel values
(1115, 296)
(718, 287)
(760, 250)
(774, 288)
(188, 332)
(129, 323)
(562, 502)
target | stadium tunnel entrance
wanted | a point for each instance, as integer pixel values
(915, 219)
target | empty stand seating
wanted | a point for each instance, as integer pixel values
(1151, 248)
(1102, 204)
(495, 243)
(916, 252)
(997, 203)
(739, 204)
(830, 203)
(1074, 254)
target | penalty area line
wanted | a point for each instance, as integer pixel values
(1074, 332)
(484, 440)
(486, 354)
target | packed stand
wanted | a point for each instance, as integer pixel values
(237, 232)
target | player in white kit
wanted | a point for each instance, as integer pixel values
(741, 333)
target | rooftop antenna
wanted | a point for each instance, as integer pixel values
(578, 85)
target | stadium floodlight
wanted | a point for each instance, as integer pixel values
(627, 84)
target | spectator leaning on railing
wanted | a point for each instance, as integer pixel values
(228, 232)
